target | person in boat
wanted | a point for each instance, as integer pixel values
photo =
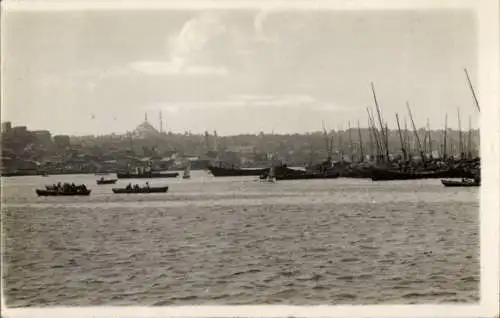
(102, 178)
(136, 187)
(129, 186)
(147, 185)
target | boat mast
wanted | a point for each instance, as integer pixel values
(380, 121)
(472, 90)
(445, 148)
(341, 144)
(407, 140)
(331, 144)
(416, 134)
(375, 135)
(350, 142)
(403, 148)
(460, 140)
(360, 145)
(469, 142)
(387, 140)
(327, 143)
(370, 134)
(430, 137)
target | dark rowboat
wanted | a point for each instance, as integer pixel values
(109, 181)
(46, 193)
(141, 190)
(461, 183)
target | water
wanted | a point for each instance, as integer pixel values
(241, 241)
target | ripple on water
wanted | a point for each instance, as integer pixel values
(239, 242)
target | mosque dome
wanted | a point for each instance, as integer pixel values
(145, 129)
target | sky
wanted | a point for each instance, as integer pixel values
(236, 71)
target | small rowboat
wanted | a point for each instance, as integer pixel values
(141, 190)
(462, 183)
(109, 181)
(45, 193)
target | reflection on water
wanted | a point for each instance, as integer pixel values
(240, 241)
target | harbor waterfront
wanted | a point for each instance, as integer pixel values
(237, 240)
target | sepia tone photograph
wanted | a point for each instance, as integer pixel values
(166, 157)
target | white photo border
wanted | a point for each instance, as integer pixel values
(487, 17)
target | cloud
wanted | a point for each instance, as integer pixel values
(169, 68)
(187, 50)
(254, 101)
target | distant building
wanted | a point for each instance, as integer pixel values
(43, 137)
(241, 149)
(6, 127)
(20, 131)
(61, 141)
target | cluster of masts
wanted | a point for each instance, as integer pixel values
(379, 135)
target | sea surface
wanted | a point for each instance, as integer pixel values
(240, 241)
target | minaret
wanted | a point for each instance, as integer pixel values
(207, 140)
(216, 145)
(161, 122)
(146, 116)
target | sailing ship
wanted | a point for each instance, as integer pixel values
(221, 171)
(145, 173)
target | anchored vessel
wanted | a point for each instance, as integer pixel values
(141, 190)
(108, 181)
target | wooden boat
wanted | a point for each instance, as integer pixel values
(236, 172)
(108, 181)
(307, 176)
(45, 193)
(388, 175)
(146, 175)
(141, 190)
(461, 183)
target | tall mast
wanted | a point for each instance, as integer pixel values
(350, 142)
(472, 90)
(403, 148)
(460, 140)
(380, 121)
(387, 140)
(370, 134)
(407, 140)
(341, 144)
(469, 142)
(416, 134)
(375, 135)
(430, 137)
(327, 143)
(445, 148)
(360, 145)
(331, 144)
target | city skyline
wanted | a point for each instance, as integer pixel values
(239, 71)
